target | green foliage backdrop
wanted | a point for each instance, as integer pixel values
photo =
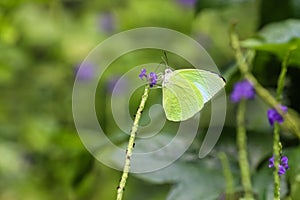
(42, 42)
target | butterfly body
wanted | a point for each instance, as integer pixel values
(186, 91)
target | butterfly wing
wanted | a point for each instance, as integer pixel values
(181, 98)
(185, 92)
(208, 83)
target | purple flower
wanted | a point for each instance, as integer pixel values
(271, 162)
(273, 115)
(283, 165)
(187, 3)
(281, 170)
(151, 78)
(143, 74)
(242, 90)
(107, 22)
(284, 161)
(85, 71)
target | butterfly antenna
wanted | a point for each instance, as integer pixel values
(165, 54)
(165, 59)
(158, 66)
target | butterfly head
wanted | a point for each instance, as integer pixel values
(166, 76)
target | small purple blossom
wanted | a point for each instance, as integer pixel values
(151, 78)
(271, 162)
(273, 115)
(284, 162)
(187, 3)
(281, 170)
(143, 74)
(85, 71)
(242, 90)
(283, 165)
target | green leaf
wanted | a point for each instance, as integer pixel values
(278, 38)
(192, 180)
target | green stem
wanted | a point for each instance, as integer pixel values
(242, 148)
(228, 176)
(131, 144)
(235, 44)
(276, 142)
(281, 79)
(276, 154)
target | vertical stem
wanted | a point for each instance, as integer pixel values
(276, 153)
(131, 144)
(281, 79)
(235, 44)
(242, 147)
(228, 176)
(241, 130)
(276, 139)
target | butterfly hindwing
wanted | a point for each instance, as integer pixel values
(181, 98)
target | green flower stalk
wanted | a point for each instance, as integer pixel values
(151, 80)
(276, 153)
(276, 141)
(242, 147)
(228, 176)
(242, 91)
(281, 79)
(130, 146)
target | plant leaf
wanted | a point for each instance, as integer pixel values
(278, 38)
(192, 180)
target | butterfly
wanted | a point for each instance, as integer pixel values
(185, 91)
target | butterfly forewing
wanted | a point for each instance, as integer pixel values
(208, 83)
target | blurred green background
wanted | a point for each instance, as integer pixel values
(42, 42)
